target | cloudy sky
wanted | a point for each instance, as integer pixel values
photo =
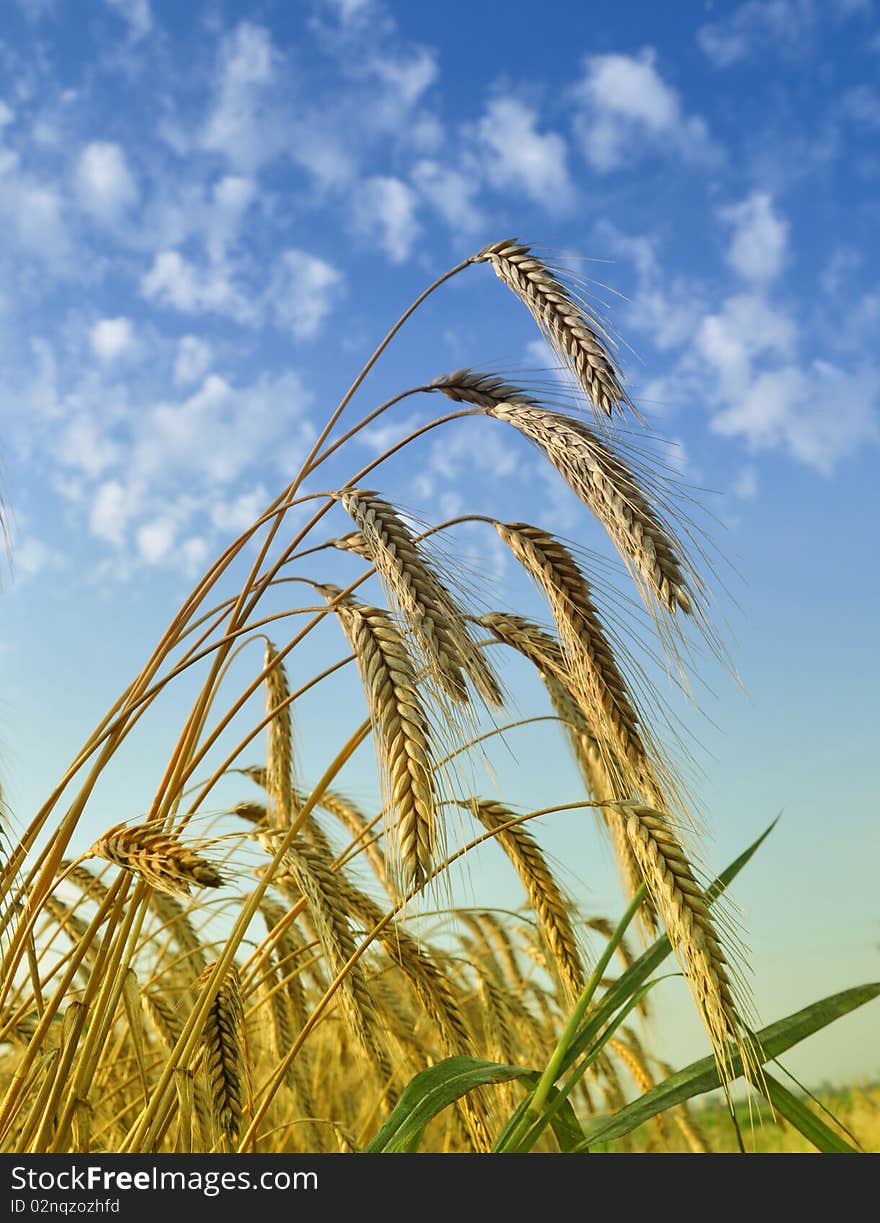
(209, 215)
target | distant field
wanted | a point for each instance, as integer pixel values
(856, 1108)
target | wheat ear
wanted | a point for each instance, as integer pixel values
(545, 653)
(308, 868)
(544, 895)
(573, 334)
(684, 908)
(159, 857)
(609, 489)
(430, 611)
(400, 730)
(224, 1058)
(279, 757)
(593, 674)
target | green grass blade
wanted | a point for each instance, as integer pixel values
(559, 1098)
(537, 1101)
(702, 1076)
(798, 1114)
(434, 1089)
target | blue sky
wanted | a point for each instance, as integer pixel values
(210, 213)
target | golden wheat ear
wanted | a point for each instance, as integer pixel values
(401, 727)
(608, 488)
(224, 1058)
(593, 676)
(683, 906)
(544, 894)
(571, 331)
(158, 857)
(431, 613)
(279, 758)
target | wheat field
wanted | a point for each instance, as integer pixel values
(289, 972)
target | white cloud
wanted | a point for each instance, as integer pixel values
(349, 11)
(818, 412)
(745, 329)
(243, 123)
(111, 510)
(385, 210)
(105, 185)
(235, 514)
(388, 430)
(302, 291)
(494, 456)
(6, 115)
(626, 108)
(31, 558)
(745, 485)
(193, 554)
(137, 16)
(193, 360)
(517, 155)
(145, 474)
(758, 244)
(318, 144)
(407, 76)
(668, 307)
(862, 103)
(32, 217)
(180, 284)
(451, 192)
(366, 43)
(231, 198)
(213, 436)
(841, 269)
(85, 446)
(785, 27)
(112, 338)
(155, 539)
